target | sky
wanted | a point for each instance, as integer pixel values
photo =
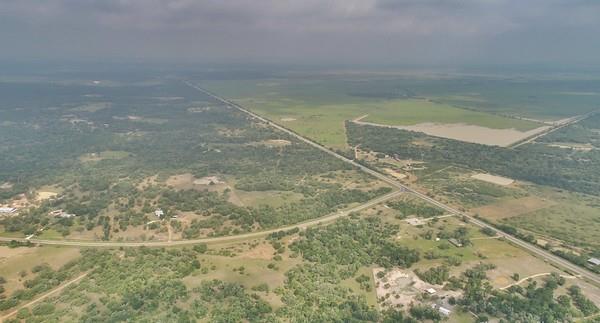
(380, 32)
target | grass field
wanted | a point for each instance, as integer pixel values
(15, 260)
(318, 109)
(577, 224)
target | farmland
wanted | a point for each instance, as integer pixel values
(209, 170)
(318, 109)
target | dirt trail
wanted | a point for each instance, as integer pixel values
(44, 296)
(170, 229)
(534, 276)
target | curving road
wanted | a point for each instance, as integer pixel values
(244, 236)
(560, 262)
(547, 256)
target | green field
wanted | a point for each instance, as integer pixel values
(574, 220)
(318, 109)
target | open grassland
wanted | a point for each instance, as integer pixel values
(16, 262)
(415, 111)
(574, 223)
(319, 109)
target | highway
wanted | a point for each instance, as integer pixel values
(560, 262)
(547, 256)
(553, 129)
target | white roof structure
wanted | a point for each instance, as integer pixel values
(444, 311)
(594, 261)
(441, 309)
(159, 213)
(430, 291)
(7, 210)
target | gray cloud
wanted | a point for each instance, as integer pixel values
(361, 31)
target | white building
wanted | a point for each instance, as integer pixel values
(7, 210)
(61, 214)
(430, 291)
(159, 213)
(594, 261)
(444, 311)
(441, 309)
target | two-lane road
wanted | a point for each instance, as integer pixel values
(212, 240)
(560, 262)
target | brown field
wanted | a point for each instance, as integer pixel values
(261, 251)
(13, 261)
(514, 207)
(470, 133)
(498, 180)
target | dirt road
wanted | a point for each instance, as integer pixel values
(44, 296)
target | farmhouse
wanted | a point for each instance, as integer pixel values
(594, 261)
(7, 210)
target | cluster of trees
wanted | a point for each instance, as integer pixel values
(221, 301)
(434, 275)
(583, 132)
(582, 303)
(43, 279)
(355, 242)
(45, 148)
(572, 170)
(411, 207)
(531, 303)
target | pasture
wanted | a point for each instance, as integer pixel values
(318, 109)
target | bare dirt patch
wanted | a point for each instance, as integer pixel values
(515, 207)
(401, 288)
(6, 186)
(287, 119)
(208, 180)
(92, 107)
(395, 173)
(498, 180)
(262, 251)
(276, 142)
(574, 146)
(198, 109)
(46, 195)
(470, 133)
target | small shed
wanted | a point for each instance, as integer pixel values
(159, 213)
(430, 291)
(594, 261)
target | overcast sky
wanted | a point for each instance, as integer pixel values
(304, 31)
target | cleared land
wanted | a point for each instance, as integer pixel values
(499, 180)
(468, 133)
(318, 110)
